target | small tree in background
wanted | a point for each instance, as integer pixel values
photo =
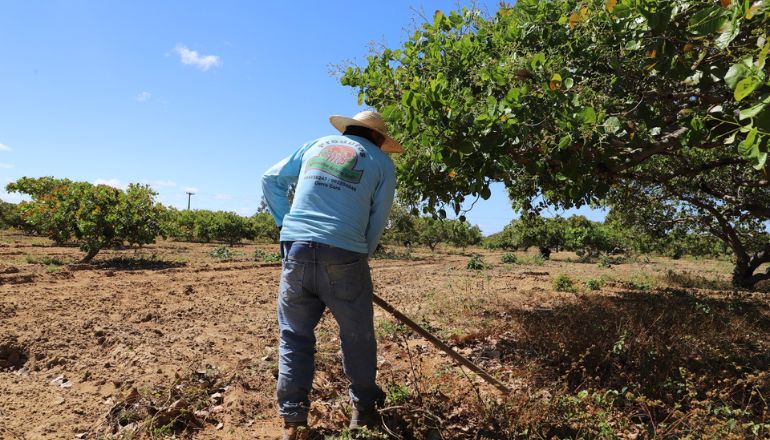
(96, 216)
(141, 218)
(264, 225)
(10, 217)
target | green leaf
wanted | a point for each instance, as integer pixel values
(633, 45)
(763, 56)
(730, 139)
(408, 98)
(491, 106)
(612, 125)
(755, 109)
(568, 83)
(728, 35)
(707, 21)
(745, 87)
(738, 71)
(537, 60)
(589, 115)
(761, 160)
(745, 147)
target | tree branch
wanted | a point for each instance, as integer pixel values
(733, 240)
(666, 141)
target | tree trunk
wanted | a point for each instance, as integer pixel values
(743, 273)
(544, 252)
(89, 256)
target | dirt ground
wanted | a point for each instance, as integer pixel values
(76, 340)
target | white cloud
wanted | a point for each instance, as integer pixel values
(115, 183)
(223, 197)
(192, 57)
(6, 166)
(191, 189)
(4, 147)
(144, 96)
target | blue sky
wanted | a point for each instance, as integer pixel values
(194, 95)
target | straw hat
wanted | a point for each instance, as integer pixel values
(371, 120)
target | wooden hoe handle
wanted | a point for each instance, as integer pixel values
(460, 359)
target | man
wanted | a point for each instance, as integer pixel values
(344, 190)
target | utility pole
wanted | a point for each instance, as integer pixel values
(189, 195)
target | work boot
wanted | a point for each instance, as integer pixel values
(368, 418)
(295, 431)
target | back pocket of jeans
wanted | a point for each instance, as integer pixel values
(347, 281)
(292, 276)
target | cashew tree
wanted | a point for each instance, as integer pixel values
(571, 103)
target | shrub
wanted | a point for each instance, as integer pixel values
(397, 394)
(96, 216)
(563, 283)
(532, 260)
(509, 258)
(641, 281)
(223, 252)
(594, 283)
(476, 262)
(264, 227)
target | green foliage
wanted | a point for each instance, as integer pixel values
(532, 260)
(96, 216)
(205, 226)
(476, 262)
(10, 217)
(406, 228)
(605, 262)
(141, 218)
(431, 232)
(641, 281)
(563, 283)
(264, 227)
(397, 395)
(575, 233)
(223, 252)
(273, 257)
(594, 283)
(44, 260)
(509, 258)
(259, 254)
(401, 225)
(391, 329)
(636, 104)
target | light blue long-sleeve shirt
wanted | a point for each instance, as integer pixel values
(345, 188)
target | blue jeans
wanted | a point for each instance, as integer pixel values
(314, 277)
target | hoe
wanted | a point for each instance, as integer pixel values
(440, 345)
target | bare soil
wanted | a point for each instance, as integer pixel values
(76, 341)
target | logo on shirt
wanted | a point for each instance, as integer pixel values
(339, 161)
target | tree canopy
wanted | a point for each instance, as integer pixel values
(96, 216)
(576, 102)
